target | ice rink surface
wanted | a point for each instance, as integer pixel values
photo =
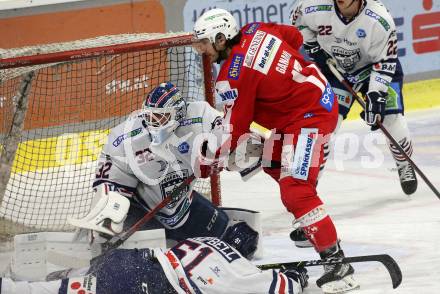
(371, 213)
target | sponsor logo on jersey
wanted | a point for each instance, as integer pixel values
(215, 270)
(346, 41)
(382, 81)
(172, 259)
(303, 153)
(122, 137)
(379, 18)
(235, 67)
(283, 62)
(220, 246)
(86, 285)
(361, 33)
(346, 58)
(202, 280)
(252, 28)
(191, 121)
(343, 100)
(317, 8)
(359, 77)
(253, 48)
(183, 147)
(229, 95)
(266, 54)
(327, 98)
(170, 182)
(389, 67)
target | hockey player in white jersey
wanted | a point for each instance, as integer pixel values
(149, 155)
(195, 265)
(360, 38)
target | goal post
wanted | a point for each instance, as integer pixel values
(68, 96)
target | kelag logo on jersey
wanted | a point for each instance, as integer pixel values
(235, 67)
(183, 148)
(229, 95)
(316, 8)
(327, 98)
(252, 28)
(379, 18)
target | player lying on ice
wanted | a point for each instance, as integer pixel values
(263, 78)
(195, 265)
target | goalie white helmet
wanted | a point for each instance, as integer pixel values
(213, 22)
(164, 109)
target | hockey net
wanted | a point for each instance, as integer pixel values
(57, 105)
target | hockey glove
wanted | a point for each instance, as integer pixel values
(298, 274)
(206, 164)
(318, 55)
(374, 109)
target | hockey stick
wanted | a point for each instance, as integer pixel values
(389, 263)
(118, 239)
(341, 79)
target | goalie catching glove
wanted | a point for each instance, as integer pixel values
(106, 217)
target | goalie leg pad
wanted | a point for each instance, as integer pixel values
(204, 220)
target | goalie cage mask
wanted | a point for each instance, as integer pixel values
(163, 110)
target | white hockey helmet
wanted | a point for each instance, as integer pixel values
(215, 21)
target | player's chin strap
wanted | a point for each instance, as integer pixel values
(107, 214)
(387, 134)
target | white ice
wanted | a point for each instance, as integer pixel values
(370, 211)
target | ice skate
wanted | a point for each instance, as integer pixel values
(337, 278)
(407, 176)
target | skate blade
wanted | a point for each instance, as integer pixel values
(303, 244)
(341, 286)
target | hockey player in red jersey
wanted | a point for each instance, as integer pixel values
(263, 78)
